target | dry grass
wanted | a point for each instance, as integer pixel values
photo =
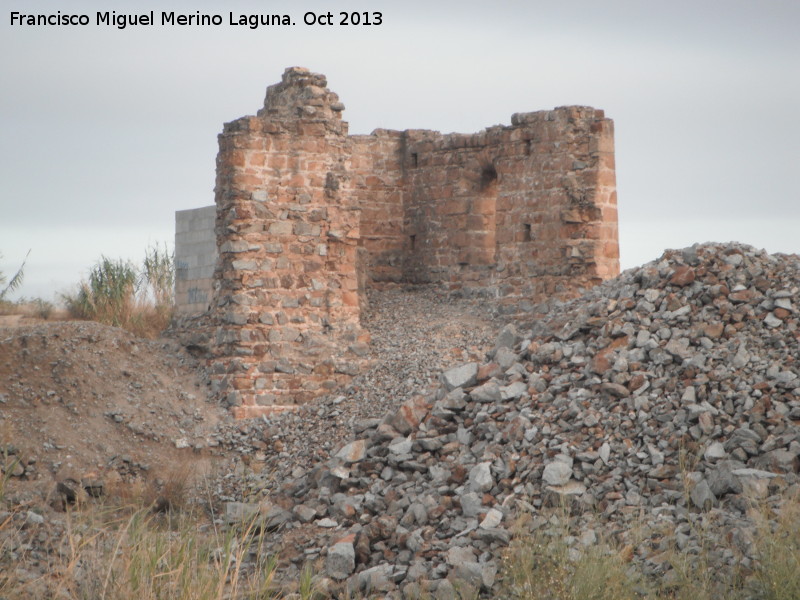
(133, 553)
(173, 490)
(542, 565)
(35, 308)
(777, 544)
(142, 541)
(147, 556)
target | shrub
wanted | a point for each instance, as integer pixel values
(43, 309)
(120, 294)
(158, 275)
(108, 296)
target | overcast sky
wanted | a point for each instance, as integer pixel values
(107, 132)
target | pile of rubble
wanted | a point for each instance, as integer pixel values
(664, 395)
(416, 333)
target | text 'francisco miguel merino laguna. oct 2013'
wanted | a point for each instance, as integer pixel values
(175, 19)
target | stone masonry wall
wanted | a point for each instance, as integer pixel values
(377, 180)
(307, 216)
(522, 212)
(518, 213)
(287, 307)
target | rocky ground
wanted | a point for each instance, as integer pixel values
(415, 334)
(662, 401)
(90, 410)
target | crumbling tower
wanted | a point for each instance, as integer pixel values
(286, 300)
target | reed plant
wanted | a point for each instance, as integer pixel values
(120, 293)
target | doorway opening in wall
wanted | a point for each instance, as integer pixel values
(526, 233)
(477, 245)
(412, 241)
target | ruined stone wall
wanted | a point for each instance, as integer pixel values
(377, 182)
(308, 216)
(288, 300)
(519, 212)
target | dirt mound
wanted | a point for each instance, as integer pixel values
(83, 401)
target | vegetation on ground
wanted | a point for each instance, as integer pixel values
(136, 547)
(120, 293)
(550, 562)
(139, 298)
(131, 547)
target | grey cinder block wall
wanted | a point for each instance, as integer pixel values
(195, 258)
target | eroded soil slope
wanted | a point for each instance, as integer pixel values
(83, 401)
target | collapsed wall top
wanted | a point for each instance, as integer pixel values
(301, 94)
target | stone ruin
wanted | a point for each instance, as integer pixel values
(309, 217)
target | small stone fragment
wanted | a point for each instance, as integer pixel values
(557, 473)
(341, 560)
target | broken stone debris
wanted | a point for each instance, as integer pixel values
(667, 392)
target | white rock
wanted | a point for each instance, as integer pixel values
(471, 504)
(513, 391)
(327, 523)
(715, 451)
(741, 358)
(400, 446)
(557, 473)
(341, 560)
(605, 452)
(461, 377)
(480, 477)
(588, 538)
(460, 554)
(656, 456)
(354, 451)
(492, 519)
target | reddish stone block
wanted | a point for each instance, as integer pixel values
(682, 276)
(350, 298)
